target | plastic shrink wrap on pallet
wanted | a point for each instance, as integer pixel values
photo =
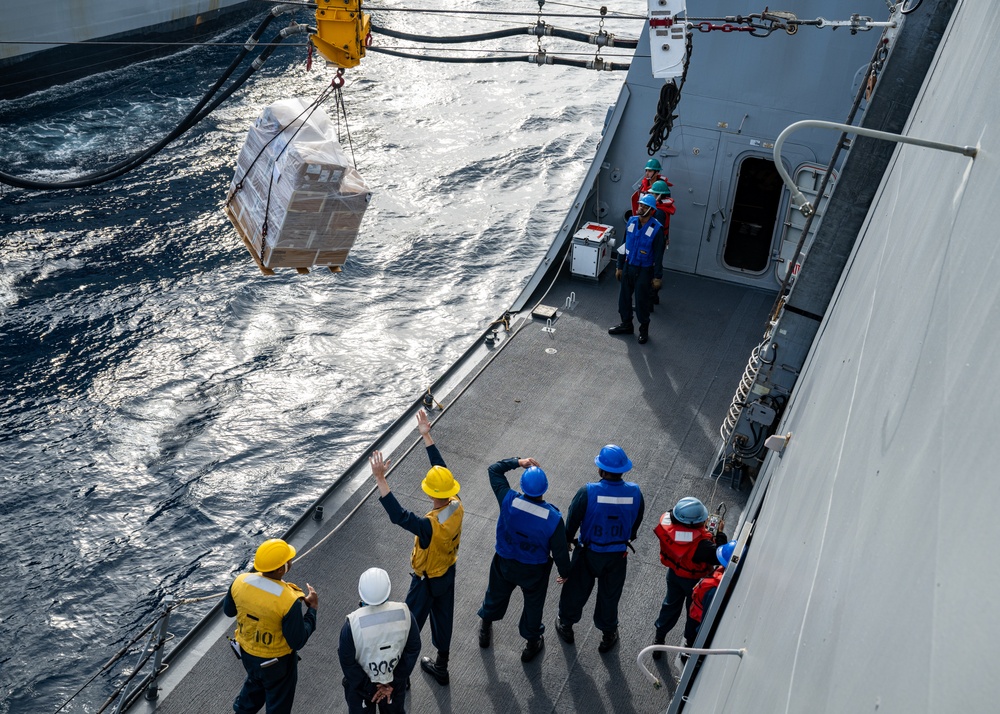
(295, 199)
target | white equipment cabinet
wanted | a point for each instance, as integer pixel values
(592, 250)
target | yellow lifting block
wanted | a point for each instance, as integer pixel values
(342, 30)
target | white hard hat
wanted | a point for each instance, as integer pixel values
(374, 586)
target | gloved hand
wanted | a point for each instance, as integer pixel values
(657, 283)
(618, 274)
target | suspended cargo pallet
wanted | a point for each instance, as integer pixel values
(294, 199)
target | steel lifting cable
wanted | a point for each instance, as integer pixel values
(539, 59)
(308, 112)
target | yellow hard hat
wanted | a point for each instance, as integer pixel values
(439, 483)
(272, 554)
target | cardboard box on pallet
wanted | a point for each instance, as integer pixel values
(293, 177)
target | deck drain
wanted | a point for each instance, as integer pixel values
(550, 350)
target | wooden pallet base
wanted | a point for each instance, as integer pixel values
(257, 259)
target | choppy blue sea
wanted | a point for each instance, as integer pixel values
(163, 406)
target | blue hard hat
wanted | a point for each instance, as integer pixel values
(653, 165)
(690, 511)
(613, 460)
(648, 199)
(725, 552)
(533, 482)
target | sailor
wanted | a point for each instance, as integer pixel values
(640, 269)
(379, 646)
(270, 627)
(650, 176)
(435, 548)
(608, 514)
(688, 549)
(665, 208)
(528, 531)
(704, 592)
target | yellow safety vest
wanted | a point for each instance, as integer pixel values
(261, 603)
(441, 554)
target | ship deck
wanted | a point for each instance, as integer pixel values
(557, 397)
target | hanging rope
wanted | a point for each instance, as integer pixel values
(670, 97)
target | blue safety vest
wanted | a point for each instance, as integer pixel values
(639, 242)
(524, 529)
(612, 507)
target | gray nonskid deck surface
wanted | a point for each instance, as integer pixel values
(663, 402)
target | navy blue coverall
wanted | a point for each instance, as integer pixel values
(274, 685)
(638, 270)
(427, 596)
(509, 573)
(608, 569)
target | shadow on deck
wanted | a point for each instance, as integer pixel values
(559, 398)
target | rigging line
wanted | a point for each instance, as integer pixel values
(467, 383)
(343, 110)
(118, 655)
(495, 50)
(146, 44)
(324, 95)
(578, 7)
(508, 13)
(537, 59)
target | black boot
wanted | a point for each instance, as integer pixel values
(609, 640)
(485, 633)
(438, 669)
(684, 655)
(622, 328)
(658, 639)
(532, 649)
(643, 333)
(565, 631)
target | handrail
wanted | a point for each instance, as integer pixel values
(675, 648)
(801, 202)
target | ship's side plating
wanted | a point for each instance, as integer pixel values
(862, 587)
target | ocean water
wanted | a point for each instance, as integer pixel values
(164, 407)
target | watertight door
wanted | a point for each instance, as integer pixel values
(746, 212)
(690, 166)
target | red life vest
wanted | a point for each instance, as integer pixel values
(697, 610)
(678, 544)
(644, 187)
(669, 209)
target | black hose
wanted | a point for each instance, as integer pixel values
(195, 115)
(587, 64)
(510, 32)
(451, 39)
(460, 60)
(625, 42)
